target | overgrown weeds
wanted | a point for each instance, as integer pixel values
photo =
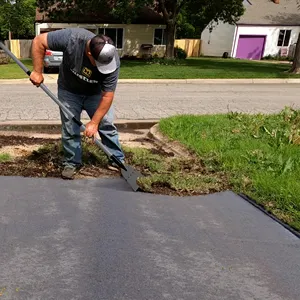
(174, 175)
(259, 153)
(164, 173)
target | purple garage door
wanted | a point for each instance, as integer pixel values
(250, 47)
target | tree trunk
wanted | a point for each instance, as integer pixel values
(296, 62)
(170, 39)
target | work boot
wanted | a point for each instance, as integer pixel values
(68, 172)
(113, 166)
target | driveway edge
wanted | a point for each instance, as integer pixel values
(255, 204)
(178, 149)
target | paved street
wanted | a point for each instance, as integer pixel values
(96, 239)
(154, 101)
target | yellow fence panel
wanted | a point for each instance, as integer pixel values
(15, 48)
(191, 46)
(20, 48)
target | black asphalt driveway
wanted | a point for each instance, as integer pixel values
(96, 239)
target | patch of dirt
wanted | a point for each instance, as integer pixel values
(22, 141)
(16, 151)
(162, 152)
(144, 142)
(30, 161)
(22, 167)
(46, 164)
(134, 144)
(165, 188)
(42, 157)
(132, 141)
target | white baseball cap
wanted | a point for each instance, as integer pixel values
(104, 52)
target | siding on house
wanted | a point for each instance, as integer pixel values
(271, 33)
(219, 41)
(134, 35)
(261, 17)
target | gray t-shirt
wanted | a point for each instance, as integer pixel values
(76, 73)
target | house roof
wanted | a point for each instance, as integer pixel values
(147, 16)
(266, 12)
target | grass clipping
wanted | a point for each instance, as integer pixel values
(4, 157)
(174, 176)
(163, 172)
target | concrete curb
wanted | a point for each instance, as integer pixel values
(55, 126)
(178, 81)
(170, 146)
(15, 81)
(212, 81)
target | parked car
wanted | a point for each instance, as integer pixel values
(52, 60)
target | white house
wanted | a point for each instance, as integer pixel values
(131, 39)
(268, 27)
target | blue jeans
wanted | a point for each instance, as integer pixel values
(71, 139)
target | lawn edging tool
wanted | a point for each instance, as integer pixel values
(129, 174)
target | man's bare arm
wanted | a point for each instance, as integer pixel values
(39, 46)
(104, 106)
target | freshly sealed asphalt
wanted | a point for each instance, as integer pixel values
(96, 239)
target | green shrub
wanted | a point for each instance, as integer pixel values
(166, 61)
(180, 53)
(4, 59)
(277, 57)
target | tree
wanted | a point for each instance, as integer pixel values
(186, 29)
(123, 10)
(18, 17)
(295, 69)
(296, 60)
(201, 11)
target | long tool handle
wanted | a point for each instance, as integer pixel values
(63, 107)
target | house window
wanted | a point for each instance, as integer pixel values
(116, 34)
(284, 38)
(159, 37)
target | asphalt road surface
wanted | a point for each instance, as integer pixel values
(96, 239)
(154, 101)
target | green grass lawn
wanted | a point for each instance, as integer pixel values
(187, 69)
(204, 68)
(13, 71)
(260, 154)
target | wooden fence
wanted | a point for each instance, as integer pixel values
(20, 48)
(191, 46)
